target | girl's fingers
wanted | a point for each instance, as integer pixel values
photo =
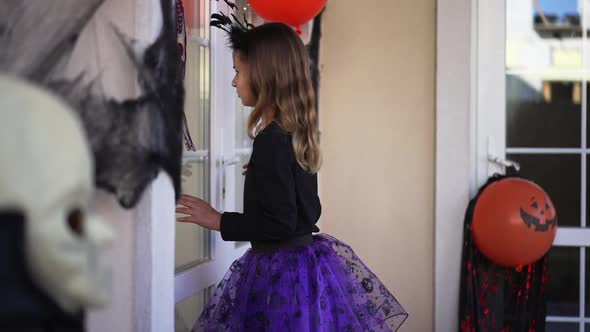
(183, 200)
(186, 219)
(188, 202)
(182, 204)
(245, 166)
(183, 210)
(188, 198)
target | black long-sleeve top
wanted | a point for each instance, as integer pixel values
(280, 198)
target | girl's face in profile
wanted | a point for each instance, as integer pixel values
(241, 81)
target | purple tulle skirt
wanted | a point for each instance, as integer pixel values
(322, 286)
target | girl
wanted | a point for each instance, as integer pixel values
(290, 280)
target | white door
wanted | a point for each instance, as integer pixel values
(531, 101)
(213, 171)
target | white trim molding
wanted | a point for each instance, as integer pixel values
(153, 254)
(455, 149)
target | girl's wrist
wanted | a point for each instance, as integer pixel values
(216, 221)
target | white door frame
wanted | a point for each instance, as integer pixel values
(455, 150)
(153, 255)
(222, 108)
(466, 108)
(470, 104)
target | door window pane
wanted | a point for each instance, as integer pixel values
(543, 35)
(242, 142)
(587, 188)
(562, 327)
(192, 241)
(197, 17)
(197, 94)
(188, 310)
(563, 290)
(243, 149)
(541, 112)
(587, 286)
(559, 175)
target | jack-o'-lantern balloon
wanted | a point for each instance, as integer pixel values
(514, 222)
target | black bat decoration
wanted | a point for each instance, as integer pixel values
(131, 139)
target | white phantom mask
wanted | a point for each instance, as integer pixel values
(46, 173)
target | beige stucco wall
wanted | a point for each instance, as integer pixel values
(377, 119)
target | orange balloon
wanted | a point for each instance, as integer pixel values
(514, 222)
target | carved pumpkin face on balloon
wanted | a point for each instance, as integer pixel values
(514, 222)
(539, 215)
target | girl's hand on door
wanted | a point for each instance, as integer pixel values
(198, 212)
(245, 167)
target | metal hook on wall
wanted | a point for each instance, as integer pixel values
(504, 162)
(509, 166)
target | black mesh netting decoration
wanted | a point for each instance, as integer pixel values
(498, 298)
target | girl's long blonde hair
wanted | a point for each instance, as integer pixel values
(280, 79)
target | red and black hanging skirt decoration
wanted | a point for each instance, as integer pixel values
(497, 297)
